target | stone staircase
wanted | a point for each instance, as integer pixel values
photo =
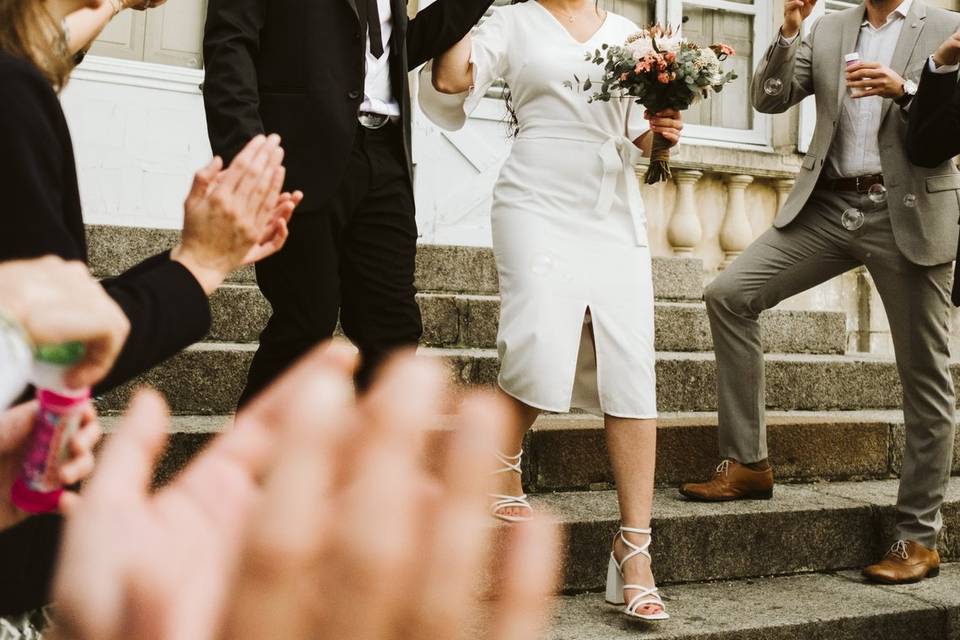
(781, 569)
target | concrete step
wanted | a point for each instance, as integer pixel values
(834, 606)
(456, 269)
(564, 453)
(805, 528)
(451, 320)
(207, 379)
(812, 527)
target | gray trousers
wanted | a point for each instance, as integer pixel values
(811, 250)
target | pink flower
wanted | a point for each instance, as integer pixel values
(624, 76)
(664, 78)
(723, 50)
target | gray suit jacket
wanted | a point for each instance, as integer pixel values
(926, 234)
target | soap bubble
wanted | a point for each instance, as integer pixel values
(773, 86)
(541, 264)
(852, 219)
(877, 193)
(910, 200)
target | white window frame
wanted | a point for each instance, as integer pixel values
(760, 135)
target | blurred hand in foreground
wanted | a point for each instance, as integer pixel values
(310, 518)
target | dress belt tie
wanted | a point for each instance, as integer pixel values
(618, 156)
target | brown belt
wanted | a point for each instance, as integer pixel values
(860, 184)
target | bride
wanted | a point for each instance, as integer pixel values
(569, 237)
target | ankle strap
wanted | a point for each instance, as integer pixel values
(633, 530)
(511, 464)
(635, 549)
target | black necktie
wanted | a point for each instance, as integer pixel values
(373, 22)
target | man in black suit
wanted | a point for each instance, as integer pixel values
(933, 134)
(330, 76)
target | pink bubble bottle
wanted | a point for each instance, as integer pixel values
(37, 489)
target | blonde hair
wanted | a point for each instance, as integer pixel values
(27, 30)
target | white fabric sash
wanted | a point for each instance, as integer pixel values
(618, 155)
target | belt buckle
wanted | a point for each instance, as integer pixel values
(859, 188)
(373, 121)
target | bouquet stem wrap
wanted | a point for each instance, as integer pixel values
(659, 170)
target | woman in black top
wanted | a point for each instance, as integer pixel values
(231, 217)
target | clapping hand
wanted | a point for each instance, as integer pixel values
(874, 79)
(236, 216)
(15, 427)
(310, 517)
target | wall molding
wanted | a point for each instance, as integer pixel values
(133, 73)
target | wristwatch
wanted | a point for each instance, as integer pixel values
(909, 91)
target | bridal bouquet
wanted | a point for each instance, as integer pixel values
(659, 70)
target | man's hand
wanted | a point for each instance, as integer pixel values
(56, 302)
(949, 51)
(16, 425)
(794, 13)
(873, 79)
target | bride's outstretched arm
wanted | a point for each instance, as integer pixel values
(453, 70)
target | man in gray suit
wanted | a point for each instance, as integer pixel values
(857, 201)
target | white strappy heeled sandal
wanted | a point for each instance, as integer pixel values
(615, 581)
(511, 464)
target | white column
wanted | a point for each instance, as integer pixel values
(736, 233)
(684, 231)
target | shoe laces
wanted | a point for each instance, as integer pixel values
(723, 467)
(899, 548)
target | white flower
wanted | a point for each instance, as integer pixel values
(641, 43)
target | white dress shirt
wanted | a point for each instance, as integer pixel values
(378, 90)
(856, 149)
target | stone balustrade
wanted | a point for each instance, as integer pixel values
(713, 212)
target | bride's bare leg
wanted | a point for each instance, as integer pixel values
(510, 484)
(633, 454)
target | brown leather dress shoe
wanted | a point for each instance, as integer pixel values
(906, 561)
(732, 481)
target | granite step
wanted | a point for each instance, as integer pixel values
(450, 320)
(207, 379)
(457, 269)
(807, 528)
(831, 606)
(564, 453)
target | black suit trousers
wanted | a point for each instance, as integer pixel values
(352, 258)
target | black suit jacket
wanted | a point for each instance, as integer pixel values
(933, 133)
(40, 215)
(933, 136)
(297, 68)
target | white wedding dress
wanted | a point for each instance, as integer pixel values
(569, 230)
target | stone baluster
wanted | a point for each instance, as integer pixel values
(641, 171)
(783, 187)
(684, 230)
(736, 233)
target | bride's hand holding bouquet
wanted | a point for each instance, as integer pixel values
(665, 73)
